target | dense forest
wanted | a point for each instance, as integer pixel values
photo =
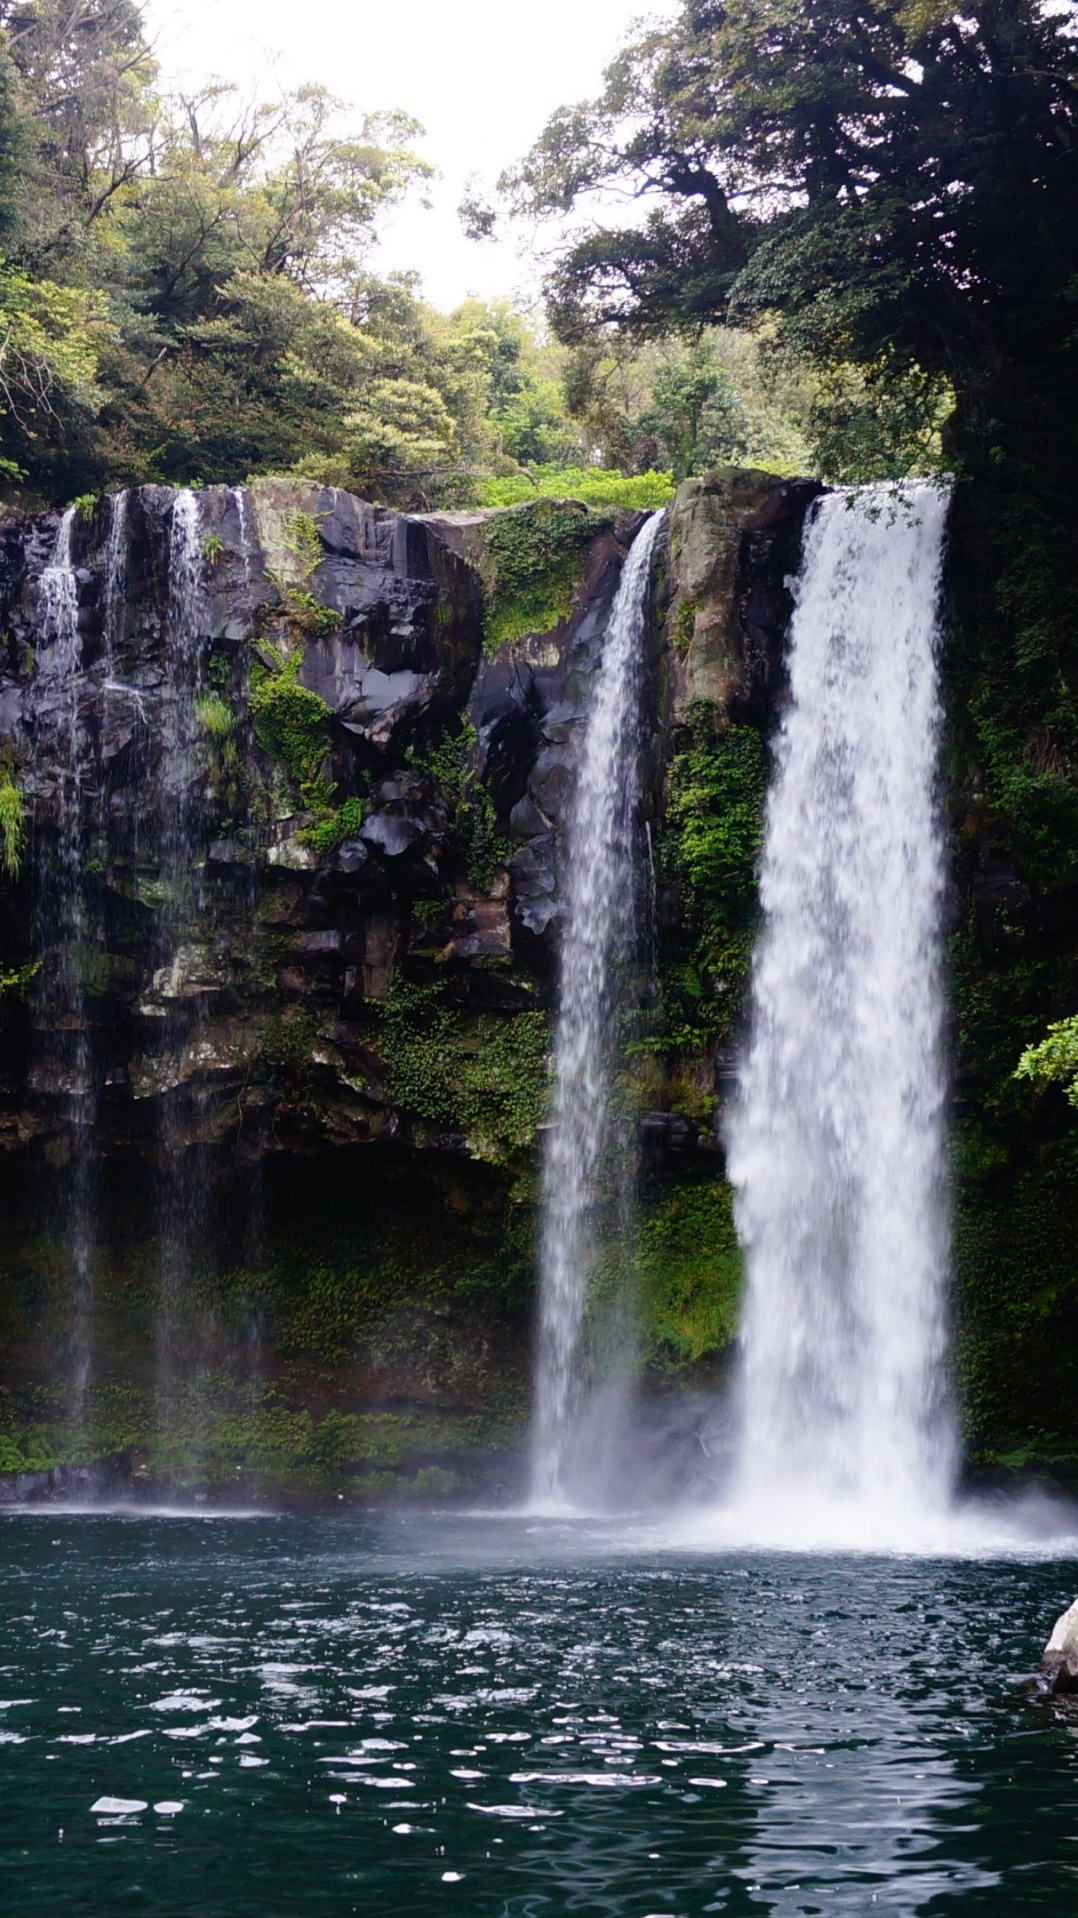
(186, 289)
(185, 297)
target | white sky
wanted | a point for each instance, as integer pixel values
(481, 76)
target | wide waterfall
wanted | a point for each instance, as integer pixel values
(836, 1147)
(601, 889)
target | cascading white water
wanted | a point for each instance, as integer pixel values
(181, 1197)
(64, 934)
(117, 547)
(59, 588)
(247, 533)
(600, 912)
(836, 1148)
(184, 582)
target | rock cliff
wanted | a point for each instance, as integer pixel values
(289, 774)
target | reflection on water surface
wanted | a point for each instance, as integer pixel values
(224, 1717)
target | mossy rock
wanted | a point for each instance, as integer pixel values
(535, 558)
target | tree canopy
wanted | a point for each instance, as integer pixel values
(186, 291)
(897, 181)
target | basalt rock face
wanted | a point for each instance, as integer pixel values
(285, 934)
(214, 897)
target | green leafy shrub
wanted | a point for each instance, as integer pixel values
(595, 485)
(472, 833)
(215, 715)
(329, 833)
(292, 726)
(708, 852)
(691, 1274)
(482, 1074)
(19, 979)
(304, 611)
(1055, 1059)
(1037, 804)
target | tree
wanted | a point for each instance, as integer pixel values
(84, 74)
(897, 181)
(892, 186)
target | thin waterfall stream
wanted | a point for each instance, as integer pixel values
(177, 984)
(601, 897)
(836, 1142)
(63, 919)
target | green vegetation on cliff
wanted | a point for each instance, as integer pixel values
(690, 1273)
(292, 726)
(536, 556)
(707, 858)
(482, 1074)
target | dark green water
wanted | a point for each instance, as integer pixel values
(456, 1716)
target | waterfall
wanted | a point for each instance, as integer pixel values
(600, 890)
(178, 985)
(178, 839)
(247, 533)
(64, 935)
(59, 589)
(184, 580)
(836, 1148)
(116, 552)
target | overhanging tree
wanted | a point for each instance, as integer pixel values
(898, 182)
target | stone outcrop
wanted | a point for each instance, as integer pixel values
(275, 913)
(735, 544)
(1060, 1661)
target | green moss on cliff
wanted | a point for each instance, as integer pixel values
(292, 726)
(690, 1269)
(708, 856)
(481, 1074)
(536, 557)
(472, 839)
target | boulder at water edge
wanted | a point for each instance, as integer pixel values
(1060, 1660)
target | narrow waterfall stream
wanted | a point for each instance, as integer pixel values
(601, 887)
(836, 1147)
(63, 920)
(116, 556)
(177, 983)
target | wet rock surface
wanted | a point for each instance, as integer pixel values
(210, 891)
(735, 547)
(284, 947)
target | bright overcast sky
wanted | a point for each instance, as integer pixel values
(481, 76)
